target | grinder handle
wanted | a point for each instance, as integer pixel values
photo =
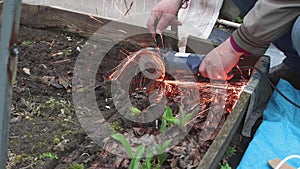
(194, 61)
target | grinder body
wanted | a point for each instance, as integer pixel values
(186, 63)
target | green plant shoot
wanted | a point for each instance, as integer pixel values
(149, 158)
(225, 166)
(48, 154)
(231, 150)
(185, 117)
(135, 162)
(168, 118)
(135, 111)
(239, 20)
(161, 152)
(27, 42)
(119, 137)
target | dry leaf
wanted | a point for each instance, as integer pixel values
(27, 71)
(49, 80)
(64, 82)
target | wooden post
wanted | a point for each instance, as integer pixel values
(8, 64)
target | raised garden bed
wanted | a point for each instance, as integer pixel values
(45, 132)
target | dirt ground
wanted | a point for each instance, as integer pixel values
(45, 132)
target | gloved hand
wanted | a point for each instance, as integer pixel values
(220, 61)
(165, 13)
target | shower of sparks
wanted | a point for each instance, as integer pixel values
(174, 88)
(237, 66)
(133, 60)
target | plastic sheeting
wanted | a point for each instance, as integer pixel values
(279, 134)
(137, 11)
(198, 20)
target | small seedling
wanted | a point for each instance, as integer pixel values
(135, 111)
(225, 166)
(135, 162)
(149, 157)
(231, 150)
(67, 132)
(168, 118)
(239, 20)
(161, 152)
(57, 104)
(48, 154)
(150, 161)
(27, 42)
(66, 52)
(53, 103)
(119, 137)
(185, 118)
(56, 140)
(156, 163)
(116, 126)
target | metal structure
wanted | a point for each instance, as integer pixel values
(8, 64)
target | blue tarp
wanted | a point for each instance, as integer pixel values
(279, 134)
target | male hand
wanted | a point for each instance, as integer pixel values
(164, 13)
(220, 61)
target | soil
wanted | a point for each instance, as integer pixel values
(44, 129)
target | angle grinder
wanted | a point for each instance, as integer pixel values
(178, 62)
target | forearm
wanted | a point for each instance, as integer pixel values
(267, 21)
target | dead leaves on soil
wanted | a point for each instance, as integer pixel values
(58, 82)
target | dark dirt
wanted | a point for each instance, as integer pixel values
(43, 119)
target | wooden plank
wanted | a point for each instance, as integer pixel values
(198, 45)
(36, 16)
(136, 11)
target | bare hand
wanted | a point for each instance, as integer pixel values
(220, 61)
(165, 13)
